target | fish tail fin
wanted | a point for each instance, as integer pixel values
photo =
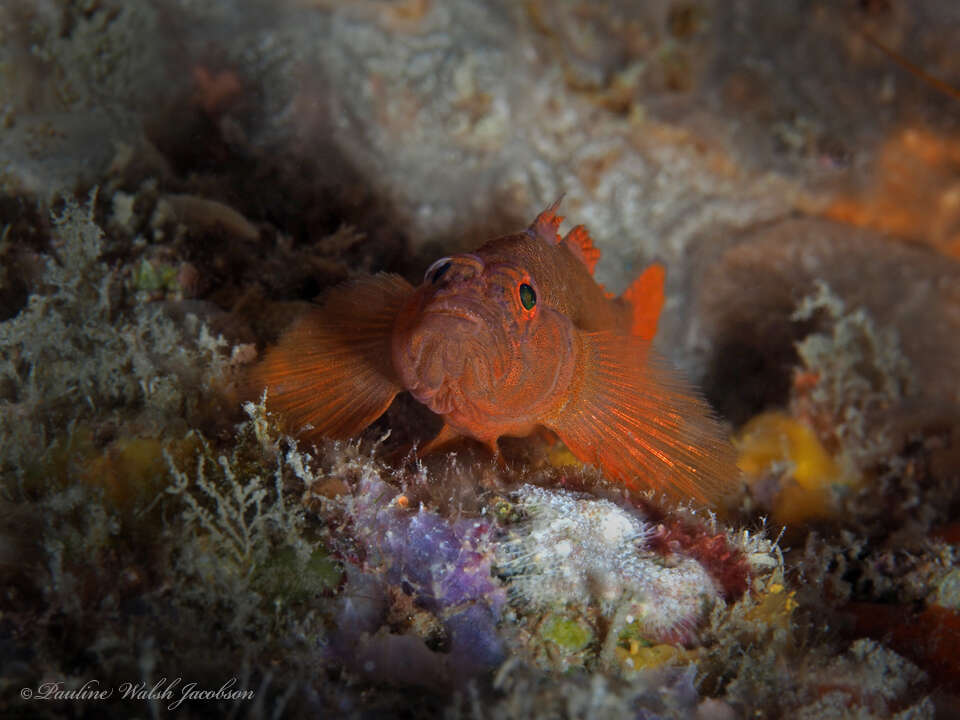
(630, 413)
(645, 296)
(331, 374)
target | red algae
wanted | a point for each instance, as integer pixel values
(726, 564)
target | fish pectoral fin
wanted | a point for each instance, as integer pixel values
(446, 436)
(645, 296)
(630, 413)
(332, 371)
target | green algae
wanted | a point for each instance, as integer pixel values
(152, 277)
(632, 632)
(567, 633)
(285, 575)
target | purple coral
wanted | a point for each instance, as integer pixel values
(444, 563)
(444, 566)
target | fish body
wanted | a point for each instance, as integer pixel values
(514, 336)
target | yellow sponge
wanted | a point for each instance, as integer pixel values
(812, 474)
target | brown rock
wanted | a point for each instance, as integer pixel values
(745, 292)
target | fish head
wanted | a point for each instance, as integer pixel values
(477, 344)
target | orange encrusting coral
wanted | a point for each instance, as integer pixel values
(505, 340)
(917, 192)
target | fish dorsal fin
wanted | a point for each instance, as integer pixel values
(645, 296)
(547, 224)
(581, 245)
(630, 413)
(332, 371)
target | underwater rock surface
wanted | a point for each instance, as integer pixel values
(753, 283)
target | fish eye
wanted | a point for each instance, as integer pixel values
(528, 298)
(434, 275)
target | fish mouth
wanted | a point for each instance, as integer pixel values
(447, 344)
(459, 306)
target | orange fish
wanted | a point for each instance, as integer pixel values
(514, 336)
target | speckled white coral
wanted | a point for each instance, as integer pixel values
(578, 550)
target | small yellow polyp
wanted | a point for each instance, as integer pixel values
(559, 456)
(641, 657)
(774, 606)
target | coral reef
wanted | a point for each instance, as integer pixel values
(327, 561)
(437, 576)
(849, 380)
(77, 352)
(853, 376)
(522, 692)
(868, 677)
(116, 596)
(179, 180)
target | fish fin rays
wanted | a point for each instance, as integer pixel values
(635, 417)
(547, 223)
(645, 296)
(546, 227)
(581, 244)
(332, 371)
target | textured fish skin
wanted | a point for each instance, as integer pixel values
(511, 337)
